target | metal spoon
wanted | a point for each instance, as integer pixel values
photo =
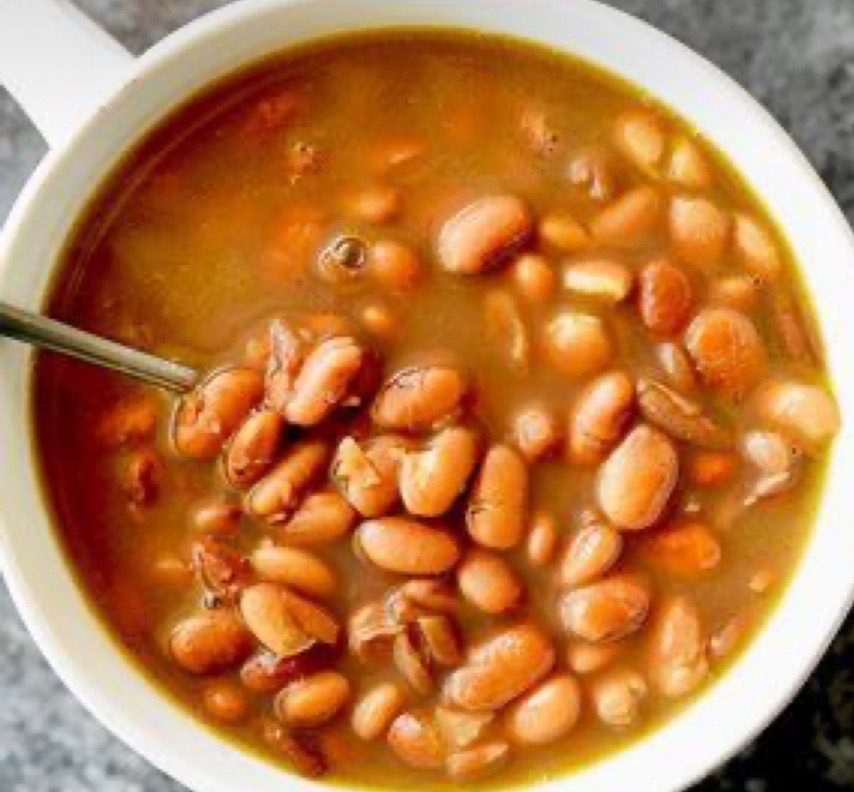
(32, 328)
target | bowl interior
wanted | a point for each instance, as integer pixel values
(42, 585)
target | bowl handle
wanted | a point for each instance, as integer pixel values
(58, 64)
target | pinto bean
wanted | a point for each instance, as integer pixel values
(535, 432)
(265, 672)
(322, 517)
(606, 610)
(416, 398)
(533, 277)
(374, 712)
(376, 204)
(371, 632)
(284, 622)
(478, 761)
(299, 749)
(324, 380)
(440, 640)
(665, 297)
(506, 330)
(461, 728)
(594, 171)
(276, 496)
(600, 279)
(501, 668)
(208, 416)
(806, 413)
(488, 582)
(368, 476)
(688, 166)
(639, 136)
(412, 665)
(561, 231)
(210, 642)
(545, 713)
(378, 319)
(680, 417)
(629, 221)
(542, 539)
(286, 354)
(225, 701)
(686, 550)
(416, 739)
(432, 595)
(756, 248)
(677, 658)
(499, 500)
(599, 416)
(617, 696)
(294, 567)
(777, 463)
(483, 233)
(699, 231)
(590, 554)
(727, 351)
(407, 547)
(221, 569)
(394, 265)
(712, 468)
(635, 482)
(677, 366)
(735, 291)
(312, 701)
(219, 517)
(577, 343)
(585, 657)
(252, 450)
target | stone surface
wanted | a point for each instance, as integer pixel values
(797, 58)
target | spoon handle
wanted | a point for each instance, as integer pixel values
(40, 331)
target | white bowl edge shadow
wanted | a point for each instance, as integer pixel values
(737, 707)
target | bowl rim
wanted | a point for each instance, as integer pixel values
(720, 743)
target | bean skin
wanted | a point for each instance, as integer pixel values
(488, 582)
(545, 713)
(210, 642)
(497, 508)
(612, 608)
(678, 659)
(367, 475)
(252, 450)
(483, 233)
(599, 416)
(208, 416)
(416, 398)
(407, 547)
(635, 482)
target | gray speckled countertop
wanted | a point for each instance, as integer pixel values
(797, 58)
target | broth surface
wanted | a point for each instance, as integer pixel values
(214, 227)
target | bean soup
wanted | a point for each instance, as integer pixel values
(513, 421)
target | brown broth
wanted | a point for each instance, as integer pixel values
(205, 231)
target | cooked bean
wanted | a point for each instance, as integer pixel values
(712, 468)
(394, 265)
(501, 668)
(377, 204)
(561, 231)
(371, 632)
(221, 569)
(276, 496)
(324, 380)
(601, 279)
(415, 738)
(724, 640)
(577, 343)
(296, 568)
(639, 136)
(499, 500)
(411, 664)
(287, 349)
(374, 712)
(284, 622)
(461, 728)
(590, 554)
(777, 463)
(506, 330)
(379, 320)
(727, 351)
(312, 701)
(225, 701)
(617, 696)
(217, 517)
(206, 418)
(252, 450)
(483, 233)
(761, 580)
(585, 657)
(300, 750)
(686, 550)
(542, 539)
(680, 417)
(699, 231)
(322, 517)
(488, 582)
(677, 658)
(368, 476)
(735, 291)
(171, 571)
(789, 324)
(546, 713)
(606, 610)
(533, 277)
(440, 640)
(630, 220)
(665, 297)
(265, 672)
(478, 761)
(688, 167)
(407, 547)
(416, 398)
(677, 366)
(595, 171)
(210, 642)
(806, 413)
(599, 416)
(635, 482)
(756, 249)
(535, 432)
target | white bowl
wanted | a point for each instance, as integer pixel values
(93, 101)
